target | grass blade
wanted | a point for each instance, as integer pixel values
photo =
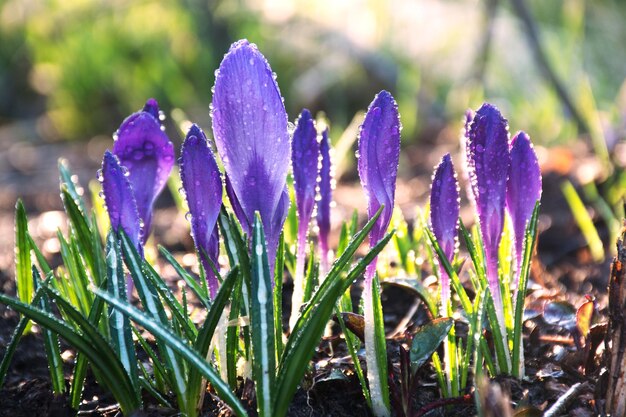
(100, 354)
(278, 297)
(23, 276)
(380, 343)
(203, 341)
(119, 325)
(312, 322)
(153, 306)
(167, 337)
(529, 244)
(16, 336)
(197, 289)
(51, 342)
(584, 221)
(262, 323)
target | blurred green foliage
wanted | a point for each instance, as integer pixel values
(86, 64)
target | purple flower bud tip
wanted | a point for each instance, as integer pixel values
(304, 159)
(146, 151)
(152, 107)
(119, 199)
(379, 152)
(523, 187)
(202, 182)
(488, 162)
(250, 129)
(444, 206)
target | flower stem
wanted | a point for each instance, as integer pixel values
(297, 297)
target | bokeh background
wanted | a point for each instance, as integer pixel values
(70, 71)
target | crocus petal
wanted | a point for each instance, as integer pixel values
(444, 206)
(119, 199)
(276, 225)
(444, 218)
(146, 151)
(379, 152)
(523, 188)
(488, 162)
(236, 205)
(250, 129)
(325, 197)
(203, 187)
(304, 159)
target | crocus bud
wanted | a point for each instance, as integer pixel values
(488, 164)
(120, 200)
(250, 129)
(444, 217)
(145, 150)
(325, 198)
(304, 159)
(523, 189)
(379, 153)
(202, 182)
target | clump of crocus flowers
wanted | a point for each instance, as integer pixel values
(504, 177)
(253, 142)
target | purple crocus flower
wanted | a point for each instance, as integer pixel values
(488, 163)
(120, 199)
(145, 150)
(444, 218)
(523, 190)
(304, 159)
(325, 186)
(379, 152)
(250, 129)
(202, 182)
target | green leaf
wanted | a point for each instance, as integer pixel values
(167, 337)
(197, 289)
(454, 278)
(99, 352)
(529, 244)
(427, 340)
(584, 221)
(380, 342)
(311, 324)
(262, 322)
(41, 260)
(153, 306)
(337, 269)
(16, 336)
(119, 325)
(203, 341)
(51, 343)
(353, 343)
(81, 229)
(311, 277)
(23, 276)
(166, 294)
(278, 296)
(71, 183)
